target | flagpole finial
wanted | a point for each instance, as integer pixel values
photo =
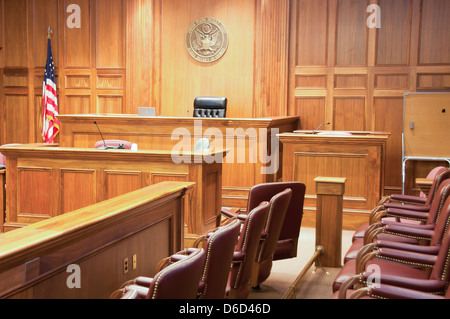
(49, 32)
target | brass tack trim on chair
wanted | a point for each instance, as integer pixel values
(405, 262)
(423, 220)
(447, 260)
(163, 272)
(406, 236)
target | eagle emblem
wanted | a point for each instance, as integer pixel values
(207, 40)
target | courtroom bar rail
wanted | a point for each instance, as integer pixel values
(82, 254)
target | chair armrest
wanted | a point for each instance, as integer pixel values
(185, 252)
(418, 226)
(406, 257)
(143, 281)
(229, 213)
(135, 292)
(431, 250)
(177, 257)
(407, 199)
(374, 213)
(367, 253)
(411, 232)
(421, 208)
(238, 257)
(201, 240)
(131, 294)
(392, 292)
(424, 285)
(415, 229)
(404, 213)
(349, 284)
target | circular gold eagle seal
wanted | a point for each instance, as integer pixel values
(207, 39)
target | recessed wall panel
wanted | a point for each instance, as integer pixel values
(311, 111)
(78, 40)
(78, 189)
(393, 37)
(35, 199)
(311, 32)
(351, 37)
(349, 114)
(122, 182)
(435, 32)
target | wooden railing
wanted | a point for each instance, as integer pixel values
(90, 252)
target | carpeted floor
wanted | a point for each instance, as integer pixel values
(316, 284)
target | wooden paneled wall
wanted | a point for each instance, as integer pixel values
(317, 59)
(344, 72)
(90, 61)
(131, 53)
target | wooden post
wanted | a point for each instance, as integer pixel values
(330, 191)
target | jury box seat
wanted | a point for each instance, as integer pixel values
(411, 202)
(288, 239)
(179, 280)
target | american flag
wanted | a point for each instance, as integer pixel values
(50, 123)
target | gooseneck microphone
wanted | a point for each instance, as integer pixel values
(104, 143)
(106, 147)
(315, 131)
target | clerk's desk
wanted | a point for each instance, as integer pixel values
(247, 137)
(357, 156)
(44, 181)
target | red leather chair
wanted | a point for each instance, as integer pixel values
(238, 285)
(423, 272)
(179, 280)
(394, 292)
(269, 237)
(421, 201)
(428, 220)
(431, 175)
(389, 254)
(219, 247)
(410, 202)
(114, 144)
(429, 240)
(288, 239)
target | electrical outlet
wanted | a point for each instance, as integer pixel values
(134, 262)
(125, 265)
